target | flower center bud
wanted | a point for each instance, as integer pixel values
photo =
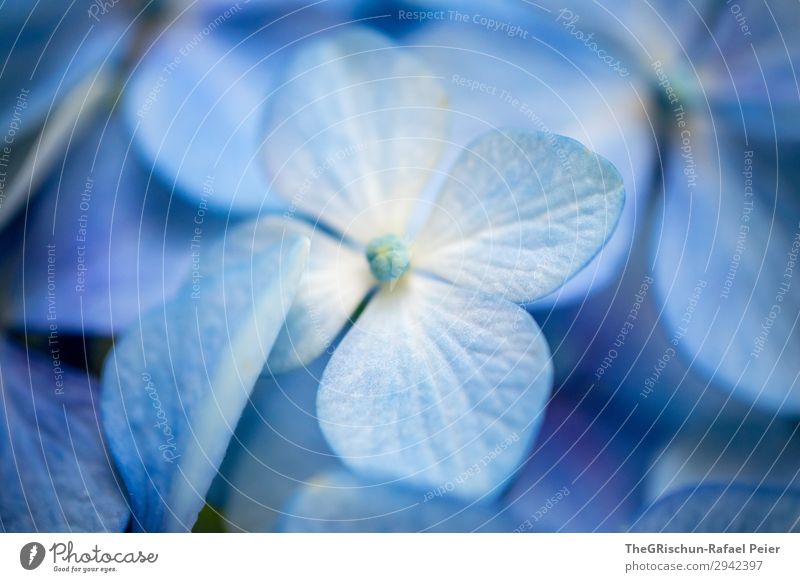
(388, 257)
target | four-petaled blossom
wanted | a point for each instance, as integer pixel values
(443, 376)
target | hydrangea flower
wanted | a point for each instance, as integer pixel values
(395, 265)
(442, 367)
(217, 92)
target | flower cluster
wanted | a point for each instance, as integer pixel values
(342, 267)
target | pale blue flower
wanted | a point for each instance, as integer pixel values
(442, 368)
(215, 92)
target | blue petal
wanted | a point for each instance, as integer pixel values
(438, 387)
(582, 475)
(175, 386)
(278, 447)
(733, 508)
(195, 106)
(723, 252)
(102, 244)
(48, 48)
(56, 473)
(339, 502)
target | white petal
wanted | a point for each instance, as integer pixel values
(547, 84)
(436, 386)
(521, 213)
(355, 132)
(336, 280)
